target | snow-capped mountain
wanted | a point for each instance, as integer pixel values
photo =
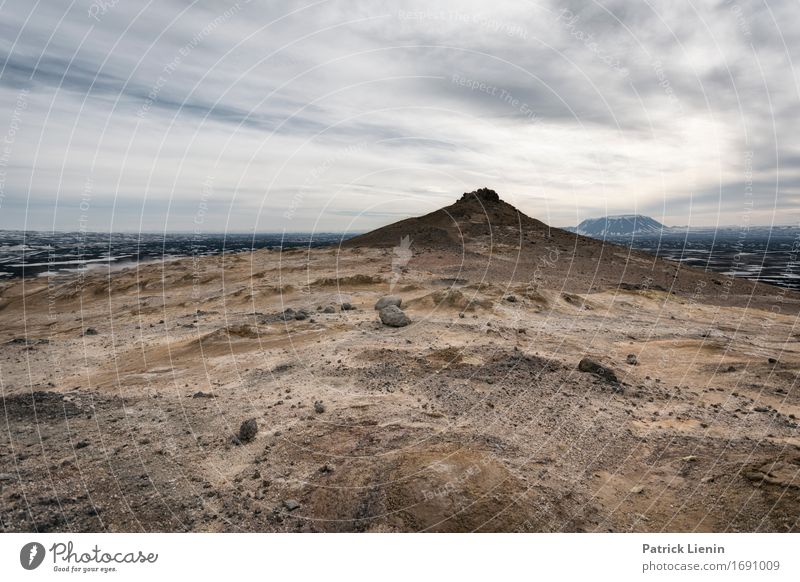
(620, 225)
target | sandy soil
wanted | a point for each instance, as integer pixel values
(473, 418)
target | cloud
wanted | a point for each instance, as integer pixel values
(344, 115)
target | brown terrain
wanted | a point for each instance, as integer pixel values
(125, 395)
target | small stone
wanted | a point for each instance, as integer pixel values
(632, 360)
(689, 458)
(90, 331)
(81, 444)
(772, 360)
(319, 407)
(637, 489)
(248, 430)
(7, 477)
(329, 309)
(347, 307)
(511, 299)
(326, 469)
(388, 300)
(291, 504)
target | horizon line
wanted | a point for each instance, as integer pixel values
(352, 233)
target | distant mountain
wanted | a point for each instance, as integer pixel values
(620, 225)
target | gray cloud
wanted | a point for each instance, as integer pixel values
(341, 115)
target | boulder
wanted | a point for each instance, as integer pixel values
(348, 307)
(593, 367)
(393, 316)
(388, 300)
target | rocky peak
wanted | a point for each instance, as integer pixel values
(483, 195)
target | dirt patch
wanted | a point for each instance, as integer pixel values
(39, 405)
(453, 491)
(450, 299)
(348, 281)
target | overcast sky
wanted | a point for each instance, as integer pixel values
(345, 115)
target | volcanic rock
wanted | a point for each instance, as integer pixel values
(248, 430)
(388, 300)
(393, 316)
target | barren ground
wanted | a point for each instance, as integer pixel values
(474, 417)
